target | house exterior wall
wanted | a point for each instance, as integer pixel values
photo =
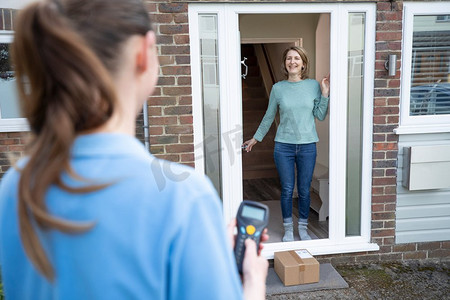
(171, 122)
(421, 215)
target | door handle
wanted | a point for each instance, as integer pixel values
(246, 67)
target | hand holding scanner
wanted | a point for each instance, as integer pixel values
(252, 218)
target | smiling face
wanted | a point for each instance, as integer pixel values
(293, 63)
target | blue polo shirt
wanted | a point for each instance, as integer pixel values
(158, 233)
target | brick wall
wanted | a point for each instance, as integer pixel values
(170, 108)
(12, 146)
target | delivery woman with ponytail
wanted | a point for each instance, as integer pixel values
(84, 215)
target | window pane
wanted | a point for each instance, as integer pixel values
(211, 99)
(430, 70)
(9, 106)
(354, 123)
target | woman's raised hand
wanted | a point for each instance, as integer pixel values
(247, 146)
(325, 84)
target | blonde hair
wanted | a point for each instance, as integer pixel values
(303, 56)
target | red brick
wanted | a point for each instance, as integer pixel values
(163, 120)
(386, 249)
(446, 245)
(175, 91)
(173, 7)
(178, 110)
(162, 18)
(162, 101)
(181, 39)
(389, 224)
(391, 110)
(377, 137)
(164, 40)
(185, 129)
(394, 26)
(394, 83)
(389, 16)
(390, 207)
(186, 139)
(384, 146)
(165, 60)
(154, 111)
(377, 191)
(187, 157)
(186, 119)
(388, 36)
(185, 100)
(9, 142)
(180, 148)
(383, 232)
(151, 7)
(439, 253)
(156, 130)
(390, 190)
(429, 246)
(383, 216)
(377, 224)
(156, 149)
(175, 50)
(394, 101)
(163, 139)
(391, 257)
(176, 70)
(379, 119)
(183, 59)
(181, 18)
(388, 241)
(415, 255)
(383, 198)
(169, 157)
(383, 6)
(19, 148)
(393, 119)
(173, 29)
(184, 80)
(166, 80)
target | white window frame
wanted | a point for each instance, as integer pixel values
(425, 123)
(231, 113)
(12, 124)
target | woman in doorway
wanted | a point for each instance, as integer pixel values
(299, 100)
(90, 214)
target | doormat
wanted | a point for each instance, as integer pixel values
(329, 279)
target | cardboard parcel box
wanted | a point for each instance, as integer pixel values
(296, 267)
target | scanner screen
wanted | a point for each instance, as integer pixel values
(253, 212)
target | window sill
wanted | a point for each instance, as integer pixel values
(421, 129)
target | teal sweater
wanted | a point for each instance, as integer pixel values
(299, 103)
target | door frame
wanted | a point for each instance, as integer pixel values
(231, 113)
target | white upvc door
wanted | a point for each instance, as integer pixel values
(229, 111)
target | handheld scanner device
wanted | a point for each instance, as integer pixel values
(252, 217)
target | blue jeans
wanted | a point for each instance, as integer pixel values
(287, 156)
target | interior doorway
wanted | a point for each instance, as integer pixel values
(261, 56)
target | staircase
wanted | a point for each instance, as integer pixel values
(259, 162)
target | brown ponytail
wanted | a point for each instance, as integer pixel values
(64, 54)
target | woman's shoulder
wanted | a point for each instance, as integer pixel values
(312, 81)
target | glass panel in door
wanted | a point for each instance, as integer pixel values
(210, 98)
(355, 94)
